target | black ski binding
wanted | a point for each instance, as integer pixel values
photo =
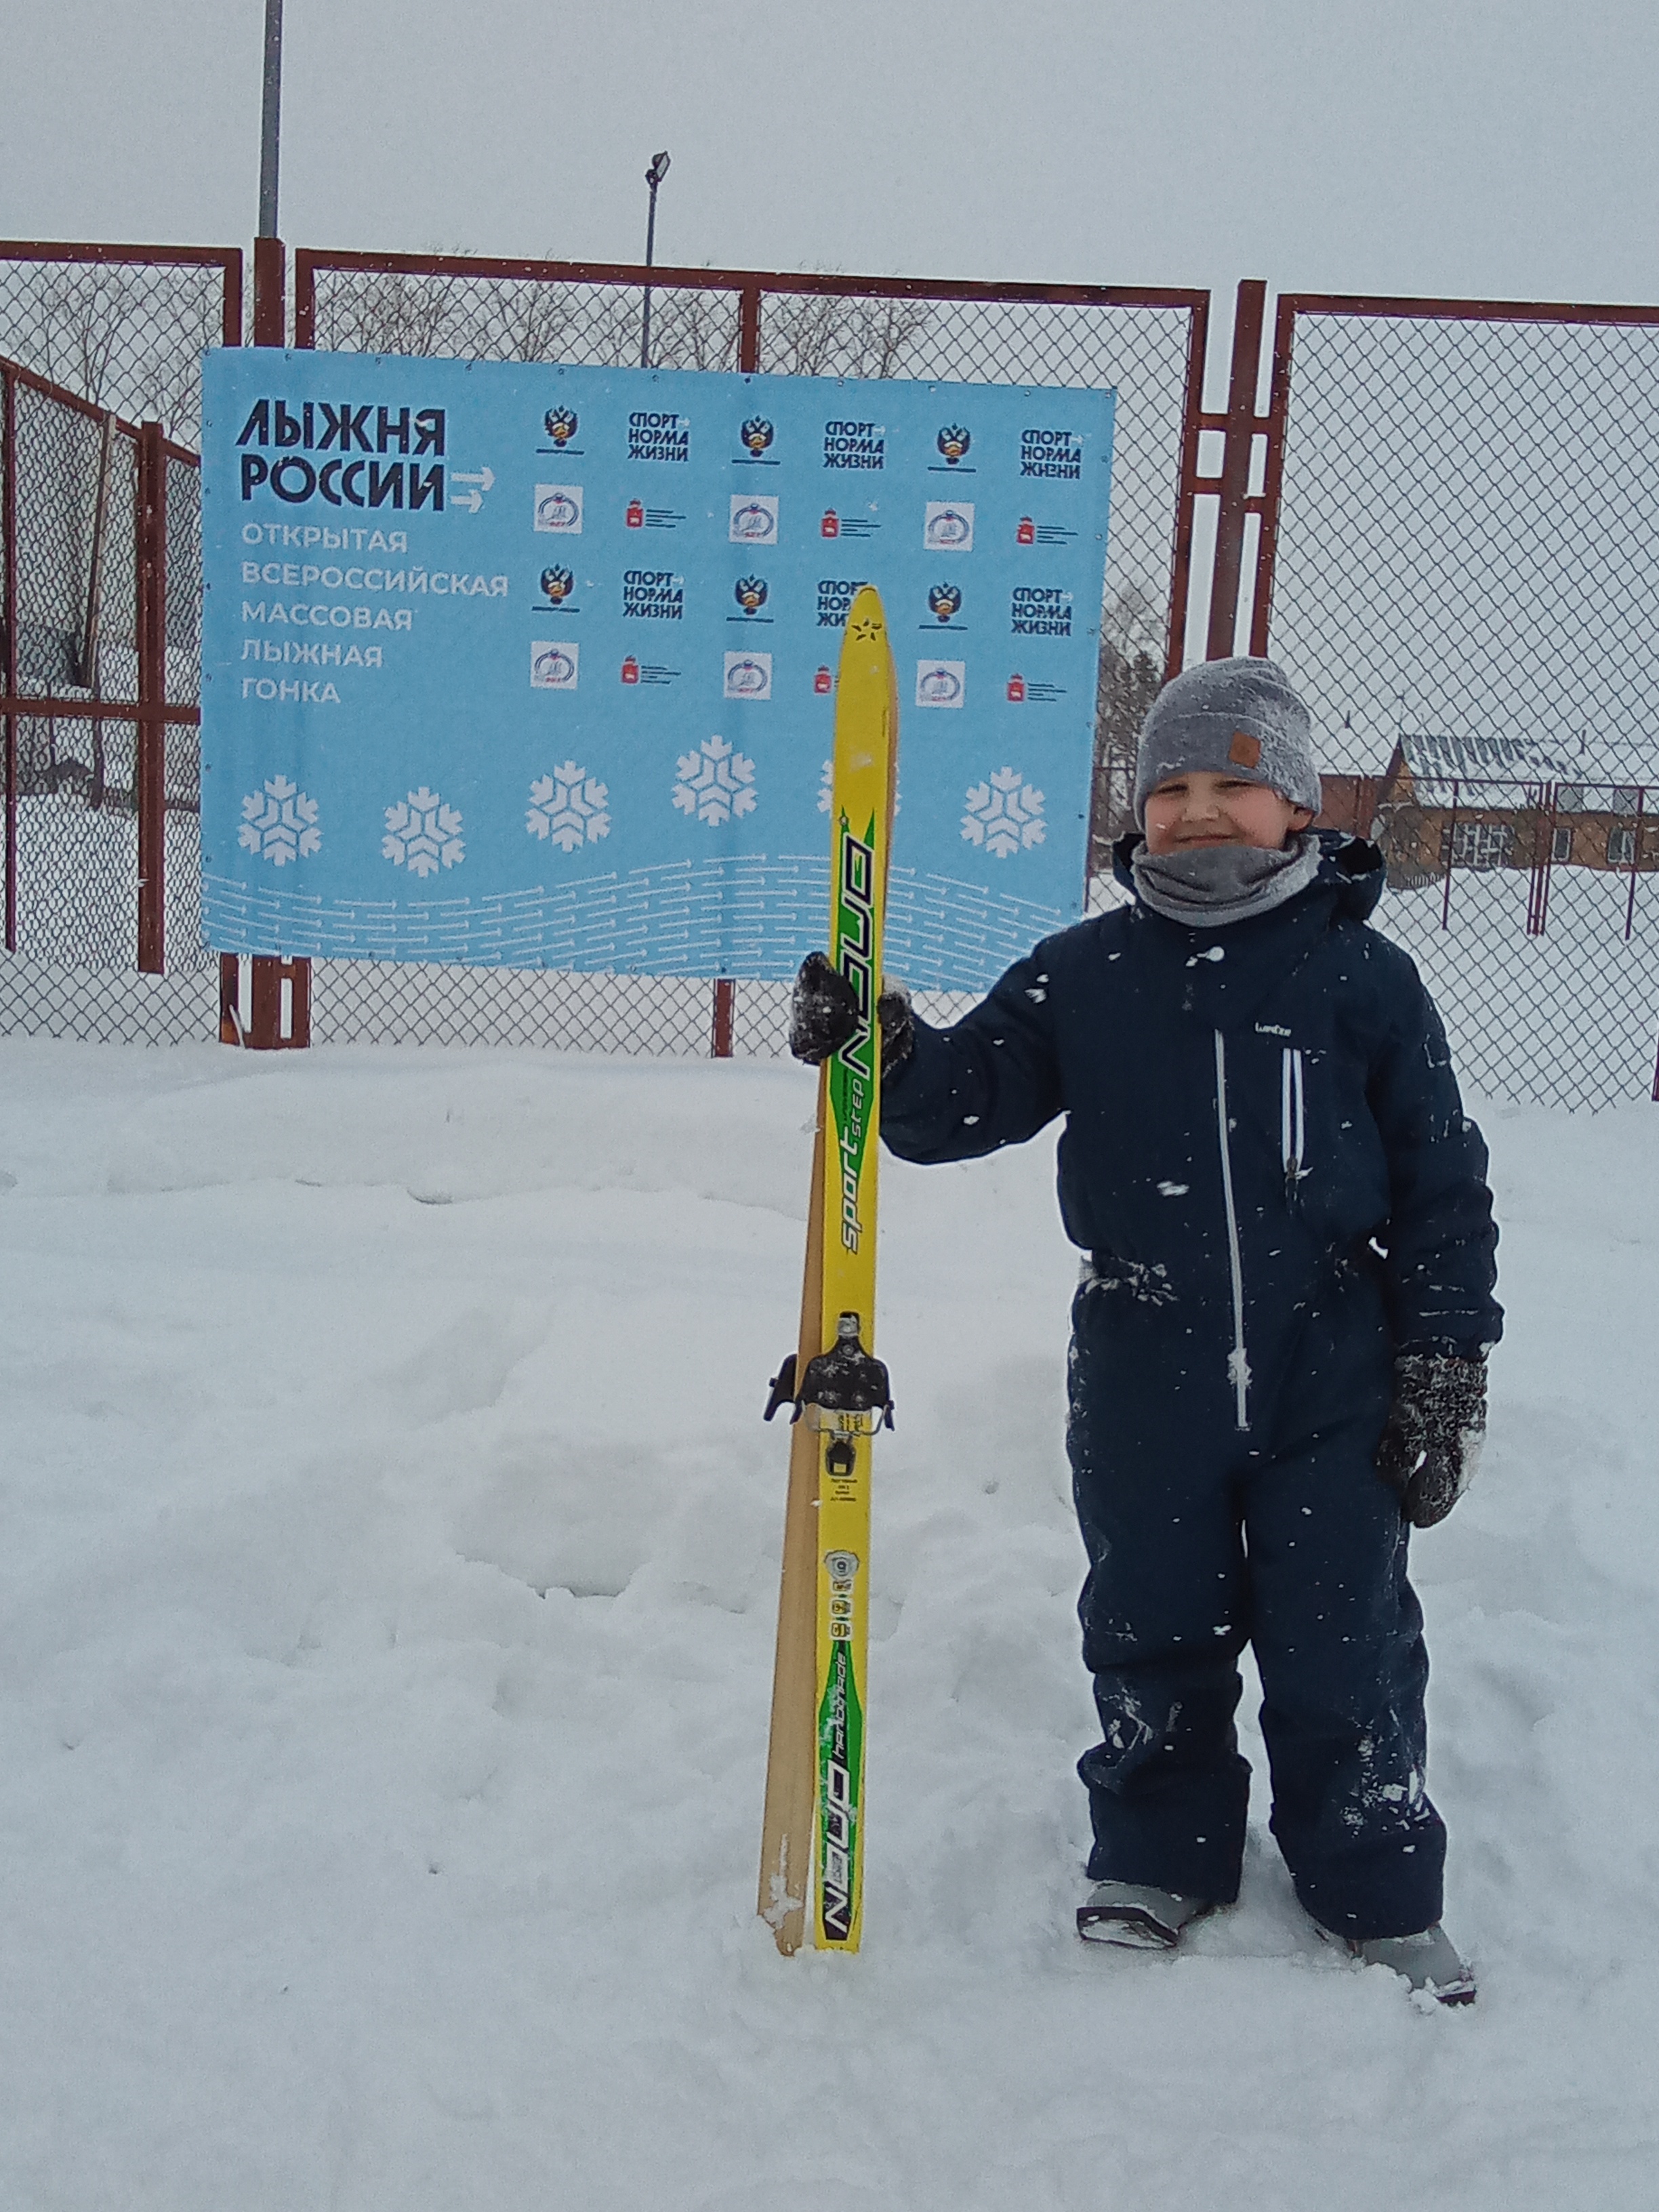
(844, 1390)
(783, 1390)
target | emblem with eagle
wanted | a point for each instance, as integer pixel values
(560, 425)
(750, 593)
(953, 442)
(944, 600)
(756, 435)
(558, 584)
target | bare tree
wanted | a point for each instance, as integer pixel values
(1131, 674)
(842, 334)
(124, 336)
(386, 311)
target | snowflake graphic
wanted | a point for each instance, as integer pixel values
(422, 834)
(568, 807)
(279, 824)
(714, 783)
(1004, 815)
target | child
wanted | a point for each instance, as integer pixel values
(1279, 1342)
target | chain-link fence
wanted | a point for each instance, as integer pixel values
(122, 327)
(1454, 560)
(86, 537)
(1458, 566)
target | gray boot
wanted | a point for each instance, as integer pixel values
(1428, 1961)
(1135, 1918)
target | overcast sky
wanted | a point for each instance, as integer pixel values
(1469, 149)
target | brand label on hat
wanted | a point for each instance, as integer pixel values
(1245, 751)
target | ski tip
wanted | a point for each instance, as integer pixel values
(866, 619)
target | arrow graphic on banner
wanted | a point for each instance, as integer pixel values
(472, 500)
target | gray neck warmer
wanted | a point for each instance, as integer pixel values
(1214, 885)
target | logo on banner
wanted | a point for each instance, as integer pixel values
(560, 425)
(559, 508)
(756, 435)
(553, 667)
(953, 442)
(944, 600)
(558, 585)
(754, 521)
(854, 446)
(659, 437)
(1040, 611)
(1050, 453)
(750, 594)
(748, 676)
(947, 529)
(654, 594)
(941, 683)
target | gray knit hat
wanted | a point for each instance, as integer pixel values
(1230, 718)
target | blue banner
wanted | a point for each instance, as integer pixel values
(535, 667)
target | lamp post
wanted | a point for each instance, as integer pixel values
(270, 119)
(653, 177)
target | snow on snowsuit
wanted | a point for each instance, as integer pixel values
(1267, 1159)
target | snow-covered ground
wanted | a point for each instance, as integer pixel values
(389, 1580)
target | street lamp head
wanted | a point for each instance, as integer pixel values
(657, 171)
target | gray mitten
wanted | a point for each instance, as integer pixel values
(823, 1015)
(1431, 1439)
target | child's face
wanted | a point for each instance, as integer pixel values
(1205, 809)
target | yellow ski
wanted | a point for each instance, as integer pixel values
(839, 1386)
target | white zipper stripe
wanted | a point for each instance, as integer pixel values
(1293, 1134)
(1238, 1367)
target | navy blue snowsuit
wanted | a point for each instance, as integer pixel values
(1267, 1159)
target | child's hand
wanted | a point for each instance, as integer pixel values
(823, 1015)
(1432, 1440)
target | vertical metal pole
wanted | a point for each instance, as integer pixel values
(1181, 561)
(1451, 848)
(269, 971)
(8, 634)
(650, 251)
(151, 778)
(89, 635)
(1635, 861)
(270, 119)
(653, 177)
(1248, 318)
(270, 288)
(1543, 859)
(748, 330)
(725, 990)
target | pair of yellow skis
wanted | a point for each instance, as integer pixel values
(812, 1842)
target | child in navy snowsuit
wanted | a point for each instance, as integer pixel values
(1279, 1342)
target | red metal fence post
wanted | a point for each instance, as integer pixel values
(266, 1031)
(270, 292)
(8, 634)
(725, 990)
(151, 778)
(1180, 558)
(1242, 425)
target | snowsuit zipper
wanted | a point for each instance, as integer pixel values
(1238, 1367)
(1292, 1122)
